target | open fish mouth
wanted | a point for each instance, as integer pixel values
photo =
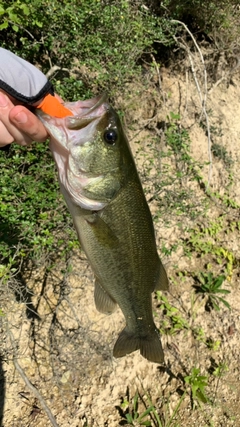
(89, 112)
(86, 114)
(97, 101)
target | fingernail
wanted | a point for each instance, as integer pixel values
(3, 100)
(21, 117)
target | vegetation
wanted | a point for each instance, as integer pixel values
(197, 383)
(34, 222)
(100, 45)
(92, 44)
(150, 417)
(212, 286)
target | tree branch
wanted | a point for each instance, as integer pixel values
(29, 384)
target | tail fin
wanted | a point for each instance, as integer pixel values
(150, 346)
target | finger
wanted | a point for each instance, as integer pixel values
(19, 124)
(5, 135)
(27, 124)
(10, 133)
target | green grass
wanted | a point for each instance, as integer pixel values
(131, 415)
(212, 287)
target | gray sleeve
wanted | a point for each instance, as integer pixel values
(21, 79)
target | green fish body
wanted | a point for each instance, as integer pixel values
(101, 186)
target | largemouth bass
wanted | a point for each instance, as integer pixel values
(101, 186)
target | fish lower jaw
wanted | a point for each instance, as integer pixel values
(84, 202)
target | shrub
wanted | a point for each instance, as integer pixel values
(101, 41)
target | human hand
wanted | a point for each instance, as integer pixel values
(21, 86)
(18, 124)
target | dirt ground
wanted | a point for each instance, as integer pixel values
(64, 346)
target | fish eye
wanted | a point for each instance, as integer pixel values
(110, 136)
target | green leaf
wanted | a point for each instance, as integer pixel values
(4, 25)
(224, 291)
(25, 9)
(202, 396)
(225, 303)
(174, 116)
(38, 23)
(145, 413)
(129, 418)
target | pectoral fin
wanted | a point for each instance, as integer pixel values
(104, 303)
(163, 283)
(102, 231)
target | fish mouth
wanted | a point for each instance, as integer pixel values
(85, 113)
(97, 101)
(95, 109)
